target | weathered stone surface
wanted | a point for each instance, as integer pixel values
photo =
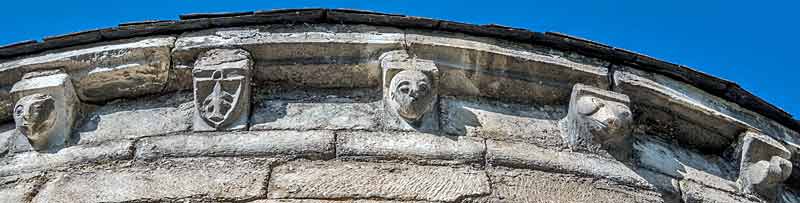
(34, 161)
(693, 192)
(307, 55)
(130, 119)
(681, 163)
(790, 196)
(221, 81)
(45, 109)
(668, 186)
(477, 66)
(348, 180)
(307, 144)
(763, 165)
(598, 119)
(124, 68)
(519, 155)
(317, 109)
(11, 141)
(6, 103)
(536, 186)
(694, 117)
(502, 121)
(408, 146)
(20, 188)
(204, 179)
(330, 201)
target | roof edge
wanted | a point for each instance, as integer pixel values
(195, 21)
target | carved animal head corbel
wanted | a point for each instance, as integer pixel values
(764, 164)
(597, 119)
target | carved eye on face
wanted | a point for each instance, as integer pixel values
(19, 110)
(404, 87)
(588, 105)
(422, 87)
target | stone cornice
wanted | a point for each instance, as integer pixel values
(197, 21)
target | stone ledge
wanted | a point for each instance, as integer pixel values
(308, 144)
(693, 192)
(409, 146)
(682, 164)
(216, 179)
(34, 161)
(514, 185)
(331, 201)
(520, 155)
(20, 188)
(694, 117)
(345, 180)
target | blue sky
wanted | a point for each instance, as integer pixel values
(750, 42)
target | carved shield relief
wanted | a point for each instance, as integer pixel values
(222, 89)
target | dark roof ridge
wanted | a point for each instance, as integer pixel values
(195, 21)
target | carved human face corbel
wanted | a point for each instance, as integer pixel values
(764, 165)
(221, 80)
(34, 117)
(410, 91)
(45, 109)
(597, 119)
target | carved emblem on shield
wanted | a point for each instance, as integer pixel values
(222, 89)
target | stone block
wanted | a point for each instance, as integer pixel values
(536, 186)
(693, 192)
(417, 147)
(488, 67)
(667, 186)
(681, 163)
(598, 119)
(307, 144)
(330, 201)
(103, 71)
(221, 79)
(206, 180)
(131, 119)
(520, 155)
(352, 180)
(699, 119)
(6, 104)
(317, 109)
(45, 109)
(20, 188)
(497, 120)
(763, 165)
(305, 56)
(65, 158)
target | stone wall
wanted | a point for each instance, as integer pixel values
(243, 109)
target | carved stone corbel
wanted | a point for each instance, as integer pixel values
(410, 88)
(763, 164)
(45, 109)
(597, 119)
(221, 80)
